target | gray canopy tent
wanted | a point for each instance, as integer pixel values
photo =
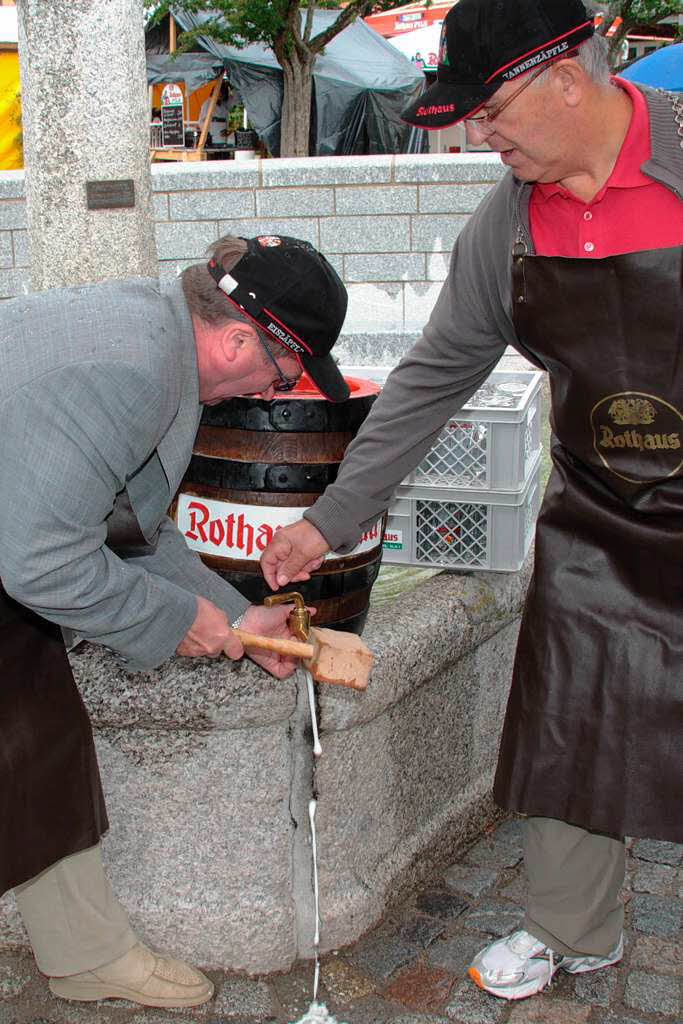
(360, 86)
(194, 69)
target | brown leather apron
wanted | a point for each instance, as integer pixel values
(592, 733)
(51, 800)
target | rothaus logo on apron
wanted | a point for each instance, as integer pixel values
(637, 436)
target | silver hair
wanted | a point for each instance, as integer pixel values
(208, 302)
(593, 57)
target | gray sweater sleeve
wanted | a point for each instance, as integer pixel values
(461, 344)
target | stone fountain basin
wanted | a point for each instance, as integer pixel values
(208, 769)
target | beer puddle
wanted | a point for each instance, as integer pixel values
(317, 1013)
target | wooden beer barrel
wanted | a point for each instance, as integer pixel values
(256, 466)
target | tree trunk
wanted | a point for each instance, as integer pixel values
(296, 103)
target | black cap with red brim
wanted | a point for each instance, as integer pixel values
(290, 291)
(485, 43)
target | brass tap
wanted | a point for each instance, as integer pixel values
(299, 619)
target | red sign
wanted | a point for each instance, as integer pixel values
(404, 19)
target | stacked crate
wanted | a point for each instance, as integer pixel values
(473, 500)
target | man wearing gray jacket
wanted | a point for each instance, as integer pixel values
(101, 394)
(576, 260)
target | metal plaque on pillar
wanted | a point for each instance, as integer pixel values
(110, 195)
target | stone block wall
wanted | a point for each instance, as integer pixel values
(387, 223)
(15, 260)
(208, 770)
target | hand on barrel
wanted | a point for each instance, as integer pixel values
(210, 634)
(293, 554)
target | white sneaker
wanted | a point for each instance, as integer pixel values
(520, 965)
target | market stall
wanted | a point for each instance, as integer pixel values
(360, 86)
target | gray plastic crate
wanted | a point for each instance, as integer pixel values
(492, 444)
(457, 530)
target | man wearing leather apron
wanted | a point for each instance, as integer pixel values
(575, 259)
(101, 394)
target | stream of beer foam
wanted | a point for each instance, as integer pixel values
(317, 749)
(317, 1013)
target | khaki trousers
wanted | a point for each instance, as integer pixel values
(575, 878)
(75, 923)
(73, 919)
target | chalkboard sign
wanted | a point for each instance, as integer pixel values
(172, 122)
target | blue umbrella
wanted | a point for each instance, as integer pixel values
(662, 69)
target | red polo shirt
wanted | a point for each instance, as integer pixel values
(631, 212)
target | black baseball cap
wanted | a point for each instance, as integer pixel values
(485, 43)
(295, 296)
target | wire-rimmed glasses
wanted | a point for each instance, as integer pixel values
(483, 123)
(283, 383)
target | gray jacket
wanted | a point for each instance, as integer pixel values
(99, 391)
(467, 333)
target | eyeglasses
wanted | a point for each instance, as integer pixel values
(283, 382)
(484, 122)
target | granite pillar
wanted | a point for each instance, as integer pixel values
(85, 120)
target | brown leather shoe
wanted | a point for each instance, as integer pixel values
(142, 976)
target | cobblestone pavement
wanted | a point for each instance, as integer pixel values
(410, 969)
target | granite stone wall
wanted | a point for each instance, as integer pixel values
(208, 770)
(15, 258)
(387, 223)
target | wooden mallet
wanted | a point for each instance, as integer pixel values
(330, 655)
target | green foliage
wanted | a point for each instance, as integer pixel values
(277, 23)
(632, 13)
(637, 12)
(649, 12)
(283, 23)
